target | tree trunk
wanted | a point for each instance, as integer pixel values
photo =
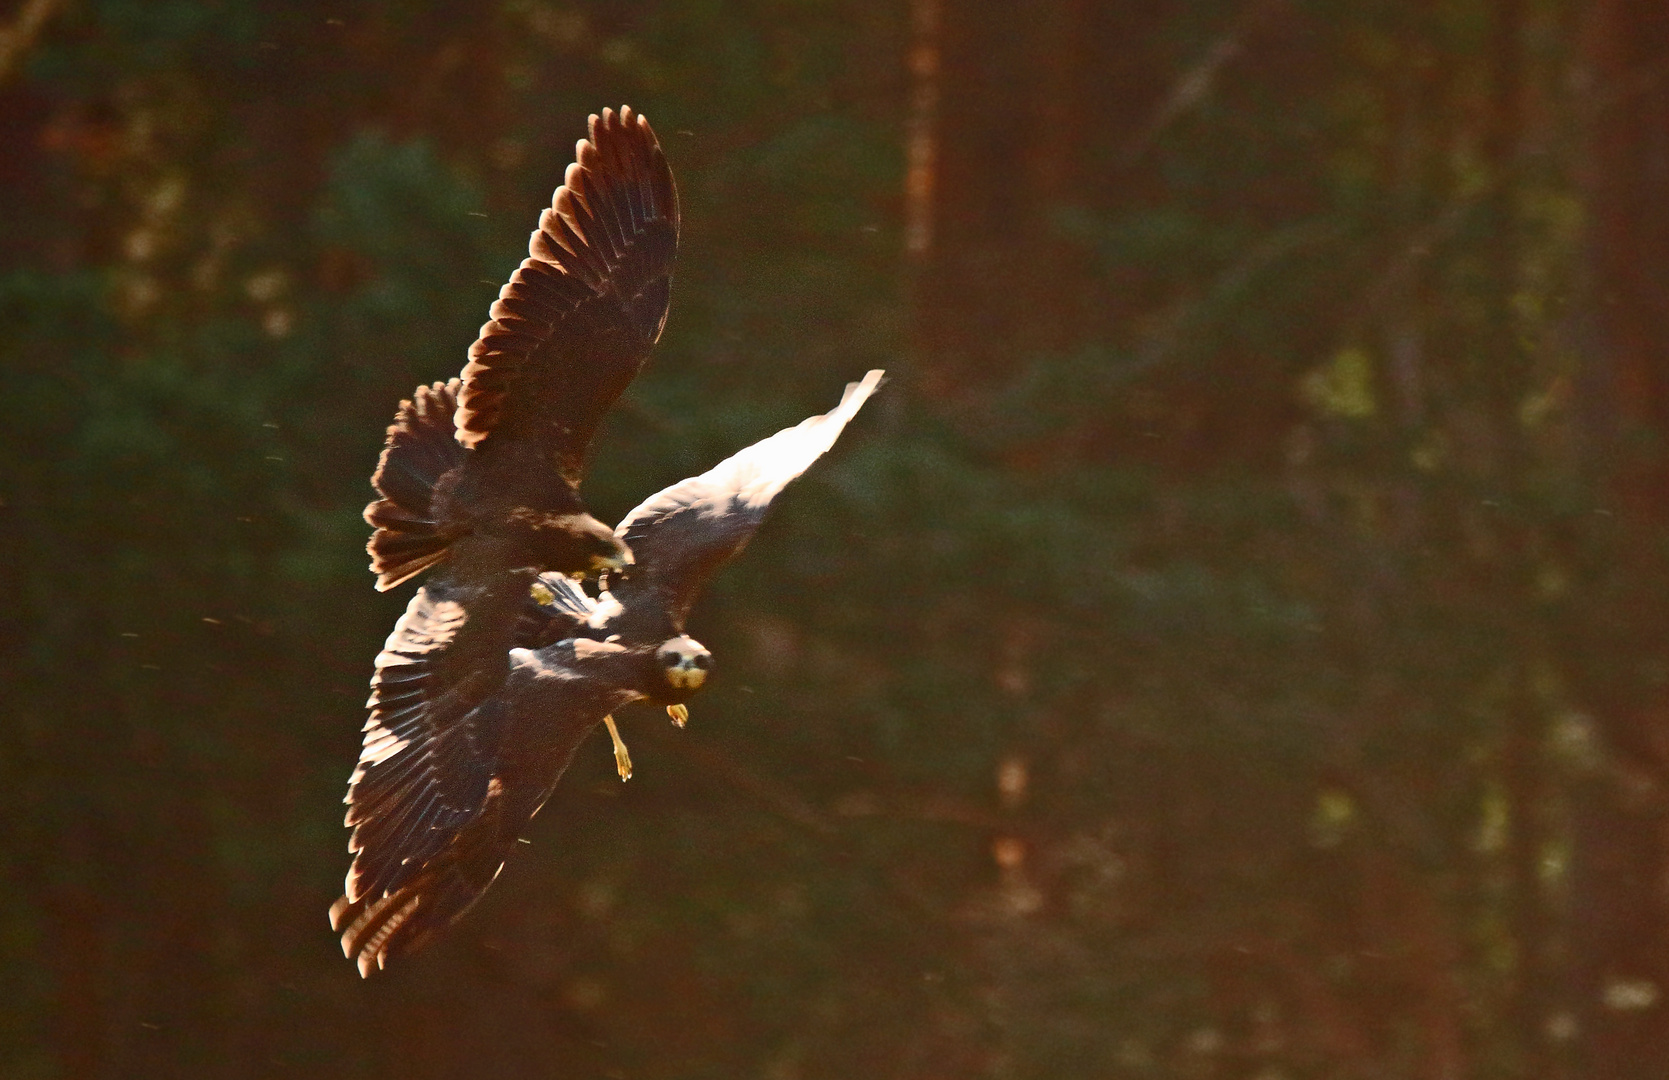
(1622, 942)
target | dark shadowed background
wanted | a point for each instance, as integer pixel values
(1235, 644)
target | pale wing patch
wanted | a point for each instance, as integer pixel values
(751, 478)
(531, 662)
(681, 535)
(586, 649)
(766, 467)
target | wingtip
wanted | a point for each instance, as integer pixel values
(858, 392)
(336, 911)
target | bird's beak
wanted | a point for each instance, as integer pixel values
(686, 678)
(680, 714)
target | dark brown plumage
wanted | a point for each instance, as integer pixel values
(566, 336)
(462, 748)
(479, 481)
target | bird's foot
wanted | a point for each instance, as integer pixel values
(680, 714)
(622, 760)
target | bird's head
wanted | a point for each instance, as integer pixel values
(684, 663)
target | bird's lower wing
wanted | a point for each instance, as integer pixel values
(432, 832)
(377, 927)
(432, 740)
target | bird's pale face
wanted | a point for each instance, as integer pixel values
(684, 663)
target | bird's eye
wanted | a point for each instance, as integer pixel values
(703, 661)
(670, 659)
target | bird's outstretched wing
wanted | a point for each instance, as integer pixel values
(686, 532)
(434, 829)
(431, 743)
(576, 321)
(379, 926)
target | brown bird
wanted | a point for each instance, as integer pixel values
(479, 477)
(449, 777)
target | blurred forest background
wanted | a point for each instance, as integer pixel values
(1235, 643)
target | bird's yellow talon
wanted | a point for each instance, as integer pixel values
(680, 714)
(622, 760)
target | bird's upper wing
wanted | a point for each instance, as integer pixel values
(574, 324)
(680, 536)
(434, 735)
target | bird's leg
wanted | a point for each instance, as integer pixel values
(680, 714)
(622, 760)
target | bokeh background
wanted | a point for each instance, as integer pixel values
(1234, 645)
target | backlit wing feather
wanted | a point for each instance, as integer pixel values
(686, 532)
(430, 746)
(523, 737)
(576, 321)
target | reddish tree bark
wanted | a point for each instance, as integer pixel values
(1622, 910)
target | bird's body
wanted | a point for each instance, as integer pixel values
(464, 745)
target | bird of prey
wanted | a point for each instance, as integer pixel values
(446, 784)
(479, 476)
(568, 333)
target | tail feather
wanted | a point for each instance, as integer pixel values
(421, 448)
(399, 923)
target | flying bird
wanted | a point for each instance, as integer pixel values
(567, 334)
(479, 476)
(446, 782)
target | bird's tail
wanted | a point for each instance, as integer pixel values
(377, 929)
(419, 450)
